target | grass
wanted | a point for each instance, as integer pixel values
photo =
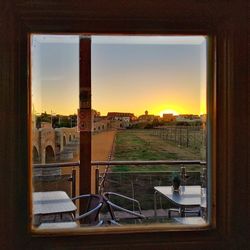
(138, 181)
(142, 145)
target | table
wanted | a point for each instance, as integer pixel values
(196, 221)
(58, 225)
(54, 202)
(189, 196)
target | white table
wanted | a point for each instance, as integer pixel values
(58, 225)
(188, 196)
(55, 202)
(196, 221)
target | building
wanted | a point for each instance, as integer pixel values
(147, 117)
(127, 117)
(100, 124)
(188, 117)
(120, 119)
(168, 118)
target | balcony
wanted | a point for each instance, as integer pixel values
(134, 179)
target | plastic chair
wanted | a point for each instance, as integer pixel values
(112, 208)
(91, 216)
(195, 210)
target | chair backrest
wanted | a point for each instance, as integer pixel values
(93, 204)
(112, 207)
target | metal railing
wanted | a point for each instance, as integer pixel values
(73, 176)
(181, 165)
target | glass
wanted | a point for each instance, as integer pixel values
(55, 140)
(204, 203)
(150, 92)
(148, 106)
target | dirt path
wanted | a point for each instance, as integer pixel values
(102, 145)
(101, 148)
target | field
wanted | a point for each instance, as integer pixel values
(148, 145)
(138, 181)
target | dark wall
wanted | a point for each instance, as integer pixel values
(227, 21)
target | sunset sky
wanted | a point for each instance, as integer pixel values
(129, 74)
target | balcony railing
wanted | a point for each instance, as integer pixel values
(181, 166)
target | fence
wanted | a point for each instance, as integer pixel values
(185, 136)
(136, 184)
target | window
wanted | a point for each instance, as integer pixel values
(164, 149)
(225, 23)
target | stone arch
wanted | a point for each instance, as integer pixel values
(70, 137)
(36, 158)
(49, 154)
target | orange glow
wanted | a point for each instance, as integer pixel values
(175, 108)
(157, 76)
(203, 108)
(168, 111)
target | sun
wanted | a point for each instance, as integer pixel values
(168, 111)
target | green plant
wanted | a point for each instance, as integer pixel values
(176, 182)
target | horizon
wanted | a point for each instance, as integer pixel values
(161, 74)
(70, 114)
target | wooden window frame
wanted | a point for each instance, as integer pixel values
(224, 21)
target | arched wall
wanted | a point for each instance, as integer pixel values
(49, 154)
(35, 155)
(56, 138)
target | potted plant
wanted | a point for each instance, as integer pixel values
(176, 183)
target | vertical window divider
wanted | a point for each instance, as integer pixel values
(84, 116)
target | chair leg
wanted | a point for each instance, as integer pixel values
(170, 210)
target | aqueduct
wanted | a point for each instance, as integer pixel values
(49, 143)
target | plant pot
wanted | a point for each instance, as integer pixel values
(176, 183)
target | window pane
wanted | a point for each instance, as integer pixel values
(149, 97)
(149, 136)
(55, 140)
